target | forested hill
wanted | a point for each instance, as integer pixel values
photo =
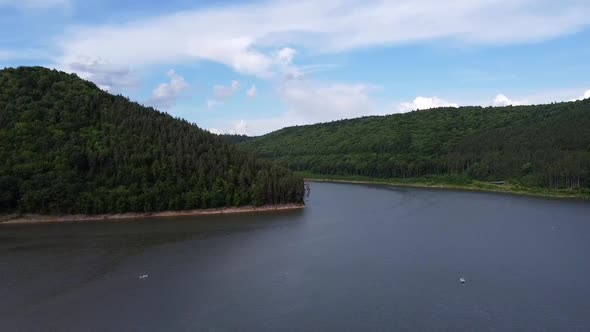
(235, 139)
(536, 146)
(68, 147)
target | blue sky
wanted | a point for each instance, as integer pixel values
(257, 66)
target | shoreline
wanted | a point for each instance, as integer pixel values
(486, 187)
(15, 219)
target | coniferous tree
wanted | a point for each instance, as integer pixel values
(68, 147)
(536, 146)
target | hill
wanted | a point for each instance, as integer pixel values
(67, 147)
(541, 146)
(235, 139)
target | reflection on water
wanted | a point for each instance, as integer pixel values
(356, 258)
(47, 260)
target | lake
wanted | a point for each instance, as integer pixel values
(357, 258)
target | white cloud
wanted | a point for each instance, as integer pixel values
(237, 128)
(502, 100)
(106, 75)
(241, 128)
(289, 71)
(243, 36)
(166, 94)
(309, 102)
(585, 96)
(328, 102)
(422, 103)
(284, 59)
(211, 103)
(251, 92)
(222, 92)
(285, 55)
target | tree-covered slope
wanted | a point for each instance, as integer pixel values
(542, 145)
(235, 139)
(68, 147)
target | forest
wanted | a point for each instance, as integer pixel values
(67, 147)
(540, 146)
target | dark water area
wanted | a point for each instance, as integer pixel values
(357, 258)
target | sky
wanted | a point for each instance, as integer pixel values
(252, 67)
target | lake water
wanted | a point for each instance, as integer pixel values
(357, 258)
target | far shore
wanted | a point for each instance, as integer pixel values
(477, 187)
(37, 218)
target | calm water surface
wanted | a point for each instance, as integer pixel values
(358, 258)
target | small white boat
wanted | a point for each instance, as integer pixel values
(462, 280)
(143, 276)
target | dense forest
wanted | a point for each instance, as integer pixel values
(235, 139)
(68, 147)
(534, 146)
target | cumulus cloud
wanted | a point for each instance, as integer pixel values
(106, 75)
(222, 92)
(422, 103)
(316, 102)
(502, 100)
(166, 94)
(284, 59)
(240, 128)
(311, 102)
(586, 95)
(237, 128)
(289, 71)
(251, 92)
(308, 103)
(256, 29)
(285, 55)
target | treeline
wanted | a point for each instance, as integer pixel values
(68, 147)
(235, 138)
(536, 146)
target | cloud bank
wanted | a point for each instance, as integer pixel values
(423, 103)
(242, 36)
(166, 94)
(586, 95)
(262, 39)
(106, 75)
(502, 100)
